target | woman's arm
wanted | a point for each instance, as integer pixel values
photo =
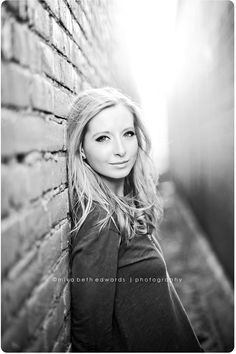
(94, 268)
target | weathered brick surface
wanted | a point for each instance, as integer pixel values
(24, 133)
(61, 344)
(58, 207)
(51, 50)
(32, 181)
(64, 235)
(54, 323)
(21, 280)
(10, 242)
(42, 94)
(16, 336)
(15, 86)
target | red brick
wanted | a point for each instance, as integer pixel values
(34, 180)
(53, 173)
(84, 67)
(60, 39)
(66, 74)
(42, 94)
(16, 193)
(62, 102)
(50, 250)
(25, 133)
(84, 44)
(75, 54)
(11, 242)
(21, 280)
(34, 223)
(58, 207)
(39, 304)
(76, 81)
(20, 231)
(65, 16)
(45, 295)
(64, 338)
(47, 59)
(62, 273)
(76, 9)
(57, 68)
(88, 9)
(37, 345)
(16, 336)
(18, 7)
(54, 6)
(22, 134)
(33, 52)
(86, 26)
(63, 72)
(65, 235)
(20, 43)
(53, 324)
(57, 35)
(4, 185)
(66, 298)
(7, 36)
(39, 18)
(77, 33)
(15, 85)
(67, 45)
(6, 317)
(79, 59)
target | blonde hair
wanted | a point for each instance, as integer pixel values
(139, 211)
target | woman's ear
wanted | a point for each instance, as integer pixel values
(82, 153)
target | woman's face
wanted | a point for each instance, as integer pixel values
(110, 143)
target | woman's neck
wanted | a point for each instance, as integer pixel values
(116, 185)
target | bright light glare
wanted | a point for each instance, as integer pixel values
(147, 28)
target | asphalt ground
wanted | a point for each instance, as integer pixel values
(204, 289)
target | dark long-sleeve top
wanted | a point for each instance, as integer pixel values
(112, 308)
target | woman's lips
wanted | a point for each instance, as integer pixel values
(120, 163)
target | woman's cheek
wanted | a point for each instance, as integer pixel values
(135, 148)
(95, 153)
(103, 154)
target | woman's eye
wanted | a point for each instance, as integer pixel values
(130, 133)
(102, 138)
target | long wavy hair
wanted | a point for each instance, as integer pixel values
(139, 211)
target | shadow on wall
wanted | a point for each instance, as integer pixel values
(200, 114)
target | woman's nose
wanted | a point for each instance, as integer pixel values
(119, 148)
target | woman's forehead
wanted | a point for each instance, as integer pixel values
(112, 118)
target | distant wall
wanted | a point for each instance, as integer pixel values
(51, 50)
(201, 113)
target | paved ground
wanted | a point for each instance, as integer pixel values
(204, 290)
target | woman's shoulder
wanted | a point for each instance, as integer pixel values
(96, 214)
(91, 230)
(95, 219)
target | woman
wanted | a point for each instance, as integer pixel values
(116, 306)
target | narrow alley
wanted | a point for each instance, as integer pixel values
(205, 291)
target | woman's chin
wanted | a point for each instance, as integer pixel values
(118, 175)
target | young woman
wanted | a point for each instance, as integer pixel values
(122, 299)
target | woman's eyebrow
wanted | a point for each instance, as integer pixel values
(108, 132)
(105, 132)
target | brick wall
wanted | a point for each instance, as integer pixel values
(51, 50)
